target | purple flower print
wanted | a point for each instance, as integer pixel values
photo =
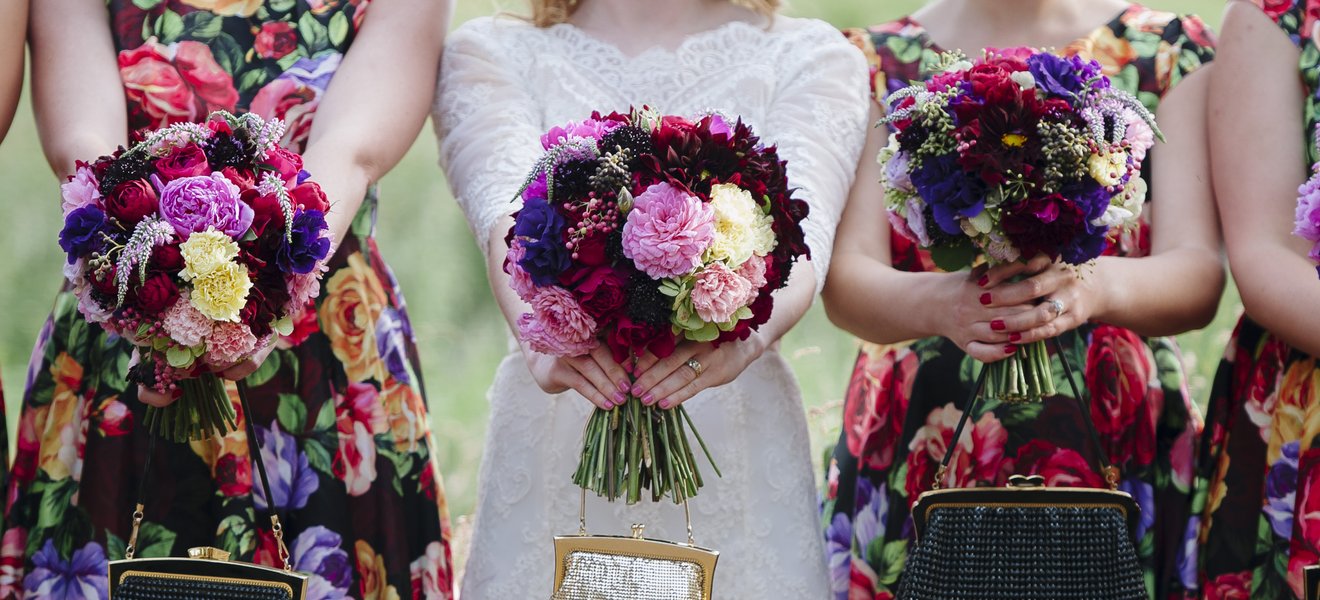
(1188, 557)
(1281, 491)
(391, 338)
(82, 576)
(1144, 494)
(838, 554)
(292, 480)
(319, 551)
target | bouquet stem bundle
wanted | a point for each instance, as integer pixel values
(1023, 377)
(634, 447)
(203, 408)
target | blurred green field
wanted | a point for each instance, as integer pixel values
(459, 330)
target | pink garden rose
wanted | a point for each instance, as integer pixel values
(557, 324)
(193, 204)
(519, 280)
(980, 452)
(718, 292)
(667, 231)
(430, 573)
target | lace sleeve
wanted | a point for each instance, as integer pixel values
(818, 120)
(486, 124)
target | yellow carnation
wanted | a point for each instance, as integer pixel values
(741, 229)
(221, 294)
(1108, 167)
(206, 251)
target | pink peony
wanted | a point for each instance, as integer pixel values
(519, 280)
(754, 271)
(81, 190)
(667, 231)
(719, 292)
(229, 343)
(589, 128)
(185, 324)
(557, 324)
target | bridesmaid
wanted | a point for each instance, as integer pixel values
(1259, 466)
(338, 404)
(923, 327)
(13, 33)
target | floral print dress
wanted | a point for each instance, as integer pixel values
(338, 406)
(1258, 478)
(904, 400)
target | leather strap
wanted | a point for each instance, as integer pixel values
(254, 449)
(1102, 466)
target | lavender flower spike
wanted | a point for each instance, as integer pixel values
(149, 233)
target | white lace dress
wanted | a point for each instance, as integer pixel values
(801, 86)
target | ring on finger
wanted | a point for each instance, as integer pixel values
(1057, 307)
(696, 367)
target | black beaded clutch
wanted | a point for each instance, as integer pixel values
(206, 574)
(1312, 577)
(1025, 541)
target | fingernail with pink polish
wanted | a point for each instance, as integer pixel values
(648, 399)
(623, 385)
(619, 398)
(997, 325)
(636, 390)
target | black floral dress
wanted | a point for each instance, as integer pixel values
(904, 400)
(338, 406)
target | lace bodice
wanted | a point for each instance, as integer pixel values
(503, 82)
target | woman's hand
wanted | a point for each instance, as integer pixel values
(595, 376)
(693, 367)
(1053, 299)
(974, 322)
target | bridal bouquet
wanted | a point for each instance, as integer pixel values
(1016, 155)
(198, 245)
(638, 231)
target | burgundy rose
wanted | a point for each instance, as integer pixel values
(234, 474)
(157, 294)
(287, 164)
(591, 250)
(167, 259)
(602, 292)
(257, 313)
(132, 201)
(188, 161)
(276, 40)
(310, 197)
(634, 339)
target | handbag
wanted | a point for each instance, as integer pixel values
(207, 573)
(1025, 540)
(606, 567)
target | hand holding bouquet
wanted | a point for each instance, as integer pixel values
(638, 231)
(1018, 155)
(199, 245)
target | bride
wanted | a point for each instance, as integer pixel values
(801, 86)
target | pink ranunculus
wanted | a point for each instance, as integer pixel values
(229, 343)
(589, 128)
(185, 324)
(519, 280)
(667, 231)
(80, 190)
(557, 324)
(193, 204)
(753, 270)
(718, 292)
(359, 416)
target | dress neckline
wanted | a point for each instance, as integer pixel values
(579, 36)
(919, 31)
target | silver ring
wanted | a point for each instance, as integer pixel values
(696, 367)
(1056, 307)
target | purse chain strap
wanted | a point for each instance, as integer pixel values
(254, 449)
(1102, 466)
(637, 529)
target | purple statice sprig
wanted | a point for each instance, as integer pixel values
(1110, 103)
(136, 252)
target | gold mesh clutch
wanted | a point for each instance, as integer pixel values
(606, 567)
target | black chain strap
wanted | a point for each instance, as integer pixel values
(1102, 465)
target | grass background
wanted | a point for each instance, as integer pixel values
(424, 236)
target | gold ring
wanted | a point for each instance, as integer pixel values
(696, 367)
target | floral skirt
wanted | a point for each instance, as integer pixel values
(904, 401)
(1258, 478)
(344, 434)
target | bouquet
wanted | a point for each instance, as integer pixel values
(198, 245)
(1307, 222)
(1017, 155)
(638, 231)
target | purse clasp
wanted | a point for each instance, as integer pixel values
(638, 529)
(1026, 481)
(208, 553)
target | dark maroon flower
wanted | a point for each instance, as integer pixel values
(167, 259)
(629, 339)
(1043, 225)
(157, 294)
(602, 292)
(132, 201)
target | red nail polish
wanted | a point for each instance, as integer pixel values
(985, 298)
(983, 280)
(1009, 349)
(997, 325)
(1015, 337)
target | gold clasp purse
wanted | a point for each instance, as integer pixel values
(607, 567)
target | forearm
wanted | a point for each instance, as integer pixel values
(1163, 294)
(344, 183)
(791, 303)
(76, 91)
(1280, 292)
(11, 60)
(878, 303)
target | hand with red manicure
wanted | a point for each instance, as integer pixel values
(1042, 299)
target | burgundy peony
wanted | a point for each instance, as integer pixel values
(132, 201)
(157, 294)
(187, 161)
